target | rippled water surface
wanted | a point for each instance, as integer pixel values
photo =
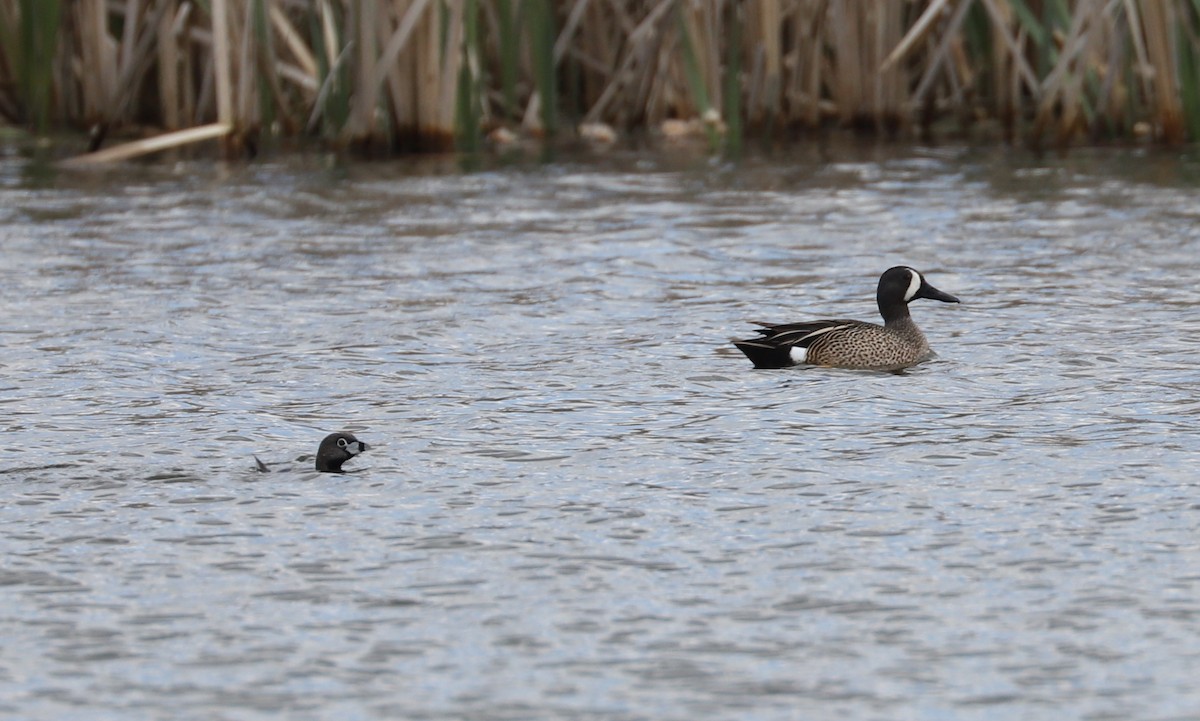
(580, 501)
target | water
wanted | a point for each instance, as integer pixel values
(580, 501)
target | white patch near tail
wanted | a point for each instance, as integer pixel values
(798, 354)
(914, 284)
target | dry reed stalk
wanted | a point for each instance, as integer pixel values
(186, 71)
(807, 60)
(1158, 24)
(1005, 81)
(99, 62)
(962, 78)
(295, 45)
(136, 59)
(272, 103)
(245, 108)
(129, 33)
(426, 70)
(762, 52)
(770, 22)
(920, 30)
(638, 41)
(656, 75)
(864, 33)
(1059, 92)
(375, 70)
(420, 68)
(652, 94)
(700, 45)
(449, 67)
(570, 27)
(1112, 94)
(220, 54)
(168, 72)
(891, 83)
(396, 63)
(1080, 51)
(849, 44)
(329, 32)
(364, 21)
(761, 84)
(939, 59)
(657, 90)
(1001, 19)
(410, 14)
(1144, 69)
(600, 51)
(149, 145)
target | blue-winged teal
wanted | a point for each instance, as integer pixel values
(896, 344)
(335, 449)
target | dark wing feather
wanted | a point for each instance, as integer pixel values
(773, 347)
(800, 334)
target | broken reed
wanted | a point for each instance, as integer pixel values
(392, 75)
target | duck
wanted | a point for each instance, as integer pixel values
(854, 344)
(334, 450)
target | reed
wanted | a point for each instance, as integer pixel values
(695, 52)
(731, 83)
(468, 115)
(30, 31)
(508, 44)
(545, 72)
(404, 75)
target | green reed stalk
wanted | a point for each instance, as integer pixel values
(37, 44)
(1189, 78)
(541, 36)
(510, 48)
(1032, 24)
(733, 83)
(691, 63)
(9, 58)
(316, 38)
(468, 106)
(695, 79)
(267, 78)
(326, 30)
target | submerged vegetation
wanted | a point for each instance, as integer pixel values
(398, 75)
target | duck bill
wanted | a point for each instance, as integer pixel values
(928, 291)
(355, 448)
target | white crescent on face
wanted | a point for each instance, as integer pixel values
(914, 284)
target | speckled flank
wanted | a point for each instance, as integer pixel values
(866, 345)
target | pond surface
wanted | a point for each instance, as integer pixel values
(580, 501)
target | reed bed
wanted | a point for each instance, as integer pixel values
(403, 75)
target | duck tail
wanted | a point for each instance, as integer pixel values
(764, 354)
